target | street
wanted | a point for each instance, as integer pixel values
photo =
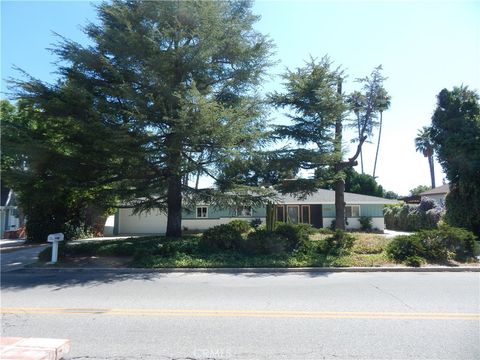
(148, 315)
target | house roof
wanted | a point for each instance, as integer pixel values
(444, 189)
(322, 196)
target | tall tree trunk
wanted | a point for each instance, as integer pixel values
(340, 204)
(174, 203)
(360, 134)
(340, 182)
(198, 179)
(174, 189)
(432, 171)
(378, 143)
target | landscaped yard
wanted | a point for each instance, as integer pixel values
(159, 252)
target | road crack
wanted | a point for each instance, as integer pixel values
(393, 296)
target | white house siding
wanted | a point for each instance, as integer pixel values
(155, 222)
(204, 224)
(108, 230)
(354, 223)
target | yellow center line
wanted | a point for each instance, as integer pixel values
(244, 313)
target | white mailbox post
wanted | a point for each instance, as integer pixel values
(55, 239)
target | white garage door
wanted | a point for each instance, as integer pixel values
(153, 222)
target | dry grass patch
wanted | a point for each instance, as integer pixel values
(369, 243)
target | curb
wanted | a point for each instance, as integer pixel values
(254, 270)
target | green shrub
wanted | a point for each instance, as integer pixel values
(255, 223)
(125, 248)
(340, 242)
(242, 226)
(220, 238)
(166, 248)
(295, 234)
(325, 231)
(439, 245)
(365, 223)
(448, 243)
(415, 261)
(263, 242)
(405, 246)
(408, 217)
(333, 224)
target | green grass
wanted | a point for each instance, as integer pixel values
(160, 252)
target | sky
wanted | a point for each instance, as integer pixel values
(423, 47)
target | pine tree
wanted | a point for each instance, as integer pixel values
(175, 81)
(319, 111)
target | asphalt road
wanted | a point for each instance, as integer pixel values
(123, 315)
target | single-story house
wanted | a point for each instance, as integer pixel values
(317, 209)
(438, 194)
(9, 213)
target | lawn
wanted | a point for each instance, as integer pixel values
(159, 252)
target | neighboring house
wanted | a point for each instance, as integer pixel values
(438, 194)
(317, 209)
(9, 215)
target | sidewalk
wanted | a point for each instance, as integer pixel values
(17, 348)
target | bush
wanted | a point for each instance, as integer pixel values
(405, 246)
(365, 223)
(415, 261)
(221, 238)
(339, 243)
(167, 248)
(448, 243)
(426, 204)
(242, 226)
(263, 242)
(407, 217)
(295, 234)
(439, 245)
(255, 223)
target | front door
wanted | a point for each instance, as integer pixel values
(316, 216)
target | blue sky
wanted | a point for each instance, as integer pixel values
(423, 47)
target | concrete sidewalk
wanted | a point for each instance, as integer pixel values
(17, 348)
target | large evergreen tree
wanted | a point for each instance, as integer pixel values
(455, 133)
(319, 111)
(62, 169)
(176, 79)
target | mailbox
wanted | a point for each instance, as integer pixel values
(55, 239)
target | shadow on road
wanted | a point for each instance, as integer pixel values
(61, 278)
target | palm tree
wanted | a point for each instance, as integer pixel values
(424, 144)
(383, 103)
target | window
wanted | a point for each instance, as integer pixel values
(202, 212)
(293, 214)
(352, 211)
(244, 211)
(306, 214)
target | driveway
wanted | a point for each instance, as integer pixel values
(19, 258)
